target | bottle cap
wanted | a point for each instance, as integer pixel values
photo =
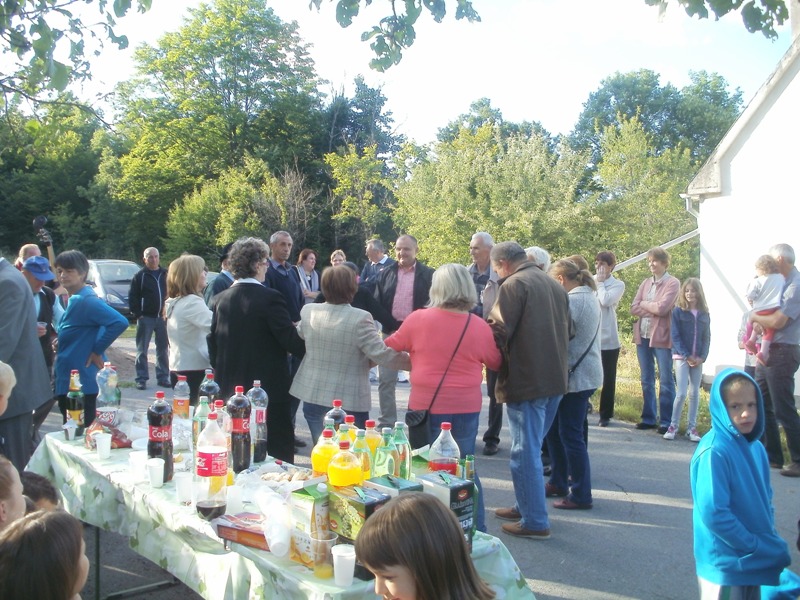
(337, 403)
(327, 433)
(399, 424)
(204, 399)
(256, 383)
(212, 416)
(370, 423)
(181, 377)
(239, 389)
(446, 426)
(344, 445)
(386, 430)
(360, 433)
(350, 419)
(218, 403)
(106, 365)
(209, 375)
(159, 395)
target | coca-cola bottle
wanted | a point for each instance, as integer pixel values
(258, 420)
(444, 452)
(239, 411)
(159, 441)
(75, 402)
(336, 413)
(109, 397)
(211, 469)
(209, 387)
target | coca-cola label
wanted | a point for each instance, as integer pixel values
(160, 434)
(107, 415)
(240, 425)
(212, 464)
(261, 415)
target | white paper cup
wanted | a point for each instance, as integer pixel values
(103, 442)
(155, 472)
(344, 564)
(69, 430)
(183, 487)
(235, 502)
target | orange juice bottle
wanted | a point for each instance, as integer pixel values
(345, 467)
(373, 437)
(322, 453)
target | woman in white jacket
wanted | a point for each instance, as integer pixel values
(188, 322)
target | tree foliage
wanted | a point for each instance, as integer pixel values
(757, 15)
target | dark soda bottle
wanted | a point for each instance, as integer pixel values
(209, 387)
(239, 411)
(75, 402)
(337, 414)
(159, 441)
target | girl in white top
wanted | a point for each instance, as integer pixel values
(764, 294)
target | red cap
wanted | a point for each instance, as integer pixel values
(350, 419)
(327, 433)
(344, 445)
(159, 395)
(212, 416)
(337, 402)
(210, 376)
(181, 377)
(446, 426)
(239, 389)
(219, 403)
(370, 423)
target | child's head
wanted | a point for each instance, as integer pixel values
(692, 290)
(740, 396)
(12, 502)
(40, 490)
(766, 265)
(416, 549)
(49, 544)
(7, 382)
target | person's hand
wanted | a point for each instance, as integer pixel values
(758, 329)
(95, 359)
(602, 273)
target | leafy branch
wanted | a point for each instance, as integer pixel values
(757, 15)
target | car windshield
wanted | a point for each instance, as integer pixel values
(117, 272)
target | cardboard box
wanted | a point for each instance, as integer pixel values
(309, 513)
(244, 528)
(350, 507)
(394, 486)
(457, 493)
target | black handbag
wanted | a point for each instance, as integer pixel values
(419, 432)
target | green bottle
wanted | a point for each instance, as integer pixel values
(199, 419)
(387, 460)
(361, 450)
(403, 450)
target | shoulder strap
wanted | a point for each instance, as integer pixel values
(585, 352)
(458, 345)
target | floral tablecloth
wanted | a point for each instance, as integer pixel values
(104, 493)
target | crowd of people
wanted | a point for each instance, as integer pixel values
(544, 332)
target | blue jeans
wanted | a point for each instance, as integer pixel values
(528, 422)
(648, 358)
(145, 328)
(464, 430)
(315, 417)
(568, 454)
(688, 382)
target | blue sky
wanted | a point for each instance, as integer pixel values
(537, 60)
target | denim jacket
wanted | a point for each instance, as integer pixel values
(684, 328)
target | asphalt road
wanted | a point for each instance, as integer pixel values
(635, 543)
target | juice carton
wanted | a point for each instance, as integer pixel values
(309, 513)
(350, 507)
(457, 493)
(394, 486)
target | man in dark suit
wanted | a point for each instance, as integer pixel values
(402, 288)
(223, 281)
(20, 348)
(251, 333)
(377, 261)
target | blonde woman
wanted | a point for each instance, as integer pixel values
(188, 322)
(338, 257)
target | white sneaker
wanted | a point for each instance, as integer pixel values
(670, 435)
(693, 435)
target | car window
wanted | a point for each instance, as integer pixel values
(117, 272)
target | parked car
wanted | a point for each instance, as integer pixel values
(111, 280)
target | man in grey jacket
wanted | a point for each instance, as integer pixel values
(532, 325)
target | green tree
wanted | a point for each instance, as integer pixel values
(761, 16)
(482, 113)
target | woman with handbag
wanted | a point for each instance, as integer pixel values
(565, 441)
(448, 351)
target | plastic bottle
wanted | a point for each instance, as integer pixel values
(361, 450)
(322, 453)
(444, 452)
(403, 450)
(387, 461)
(258, 420)
(345, 467)
(209, 387)
(239, 411)
(211, 470)
(336, 413)
(373, 437)
(199, 419)
(159, 440)
(180, 398)
(75, 402)
(327, 423)
(109, 397)
(350, 421)
(277, 525)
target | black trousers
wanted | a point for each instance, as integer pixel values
(609, 359)
(492, 435)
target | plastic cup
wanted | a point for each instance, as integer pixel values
(102, 441)
(41, 327)
(321, 545)
(155, 472)
(235, 501)
(183, 487)
(69, 430)
(344, 564)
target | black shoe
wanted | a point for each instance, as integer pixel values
(298, 443)
(604, 422)
(165, 384)
(646, 426)
(141, 385)
(490, 449)
(547, 470)
(662, 430)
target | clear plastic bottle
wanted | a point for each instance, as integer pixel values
(361, 450)
(322, 453)
(345, 467)
(336, 413)
(444, 452)
(328, 424)
(258, 420)
(211, 470)
(180, 398)
(350, 421)
(109, 396)
(403, 450)
(199, 419)
(373, 437)
(387, 461)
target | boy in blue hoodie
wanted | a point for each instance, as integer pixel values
(736, 546)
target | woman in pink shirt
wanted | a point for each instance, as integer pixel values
(430, 337)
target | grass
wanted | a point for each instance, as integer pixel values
(130, 332)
